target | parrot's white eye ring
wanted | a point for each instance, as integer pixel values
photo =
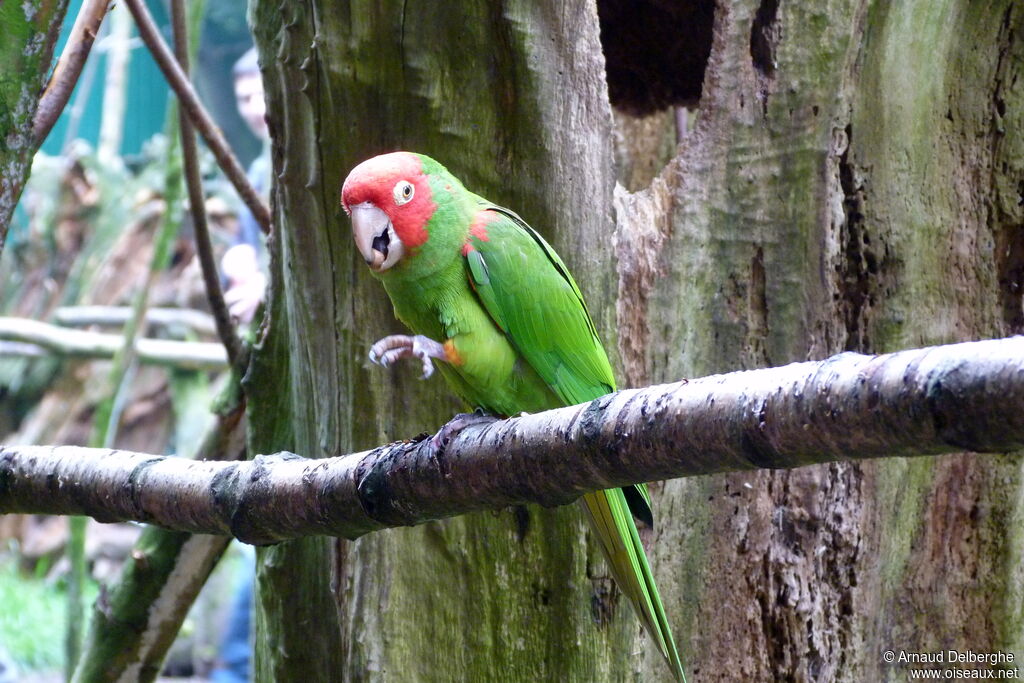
(403, 192)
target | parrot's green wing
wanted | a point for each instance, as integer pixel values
(528, 292)
(531, 296)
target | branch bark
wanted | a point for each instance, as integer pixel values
(921, 402)
(81, 344)
(69, 68)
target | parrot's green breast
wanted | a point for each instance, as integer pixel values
(484, 368)
(434, 294)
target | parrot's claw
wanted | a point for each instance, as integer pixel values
(455, 425)
(391, 349)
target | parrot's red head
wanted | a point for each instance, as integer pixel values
(390, 201)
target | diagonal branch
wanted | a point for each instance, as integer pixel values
(211, 282)
(922, 402)
(29, 33)
(190, 103)
(69, 67)
(135, 620)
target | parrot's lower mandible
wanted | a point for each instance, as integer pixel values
(493, 306)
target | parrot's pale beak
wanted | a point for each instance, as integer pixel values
(375, 237)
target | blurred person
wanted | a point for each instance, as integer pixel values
(240, 265)
(249, 93)
(246, 281)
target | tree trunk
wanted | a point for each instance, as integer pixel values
(30, 33)
(850, 185)
(852, 182)
(516, 106)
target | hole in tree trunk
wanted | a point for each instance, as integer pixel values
(655, 52)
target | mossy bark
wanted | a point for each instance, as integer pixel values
(30, 33)
(514, 103)
(852, 182)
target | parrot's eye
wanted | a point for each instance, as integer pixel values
(403, 192)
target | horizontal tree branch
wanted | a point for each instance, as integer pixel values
(117, 316)
(22, 350)
(928, 401)
(81, 344)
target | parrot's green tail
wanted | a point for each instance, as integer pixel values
(612, 522)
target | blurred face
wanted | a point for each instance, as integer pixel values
(249, 96)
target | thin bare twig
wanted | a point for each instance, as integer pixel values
(115, 85)
(69, 67)
(190, 103)
(226, 329)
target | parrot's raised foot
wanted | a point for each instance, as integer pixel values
(390, 349)
(455, 425)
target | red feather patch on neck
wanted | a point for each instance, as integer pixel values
(478, 228)
(374, 181)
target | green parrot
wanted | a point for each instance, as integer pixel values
(492, 304)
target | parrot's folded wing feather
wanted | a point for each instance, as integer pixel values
(530, 295)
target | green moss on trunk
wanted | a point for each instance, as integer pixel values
(837, 193)
(26, 50)
(513, 101)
